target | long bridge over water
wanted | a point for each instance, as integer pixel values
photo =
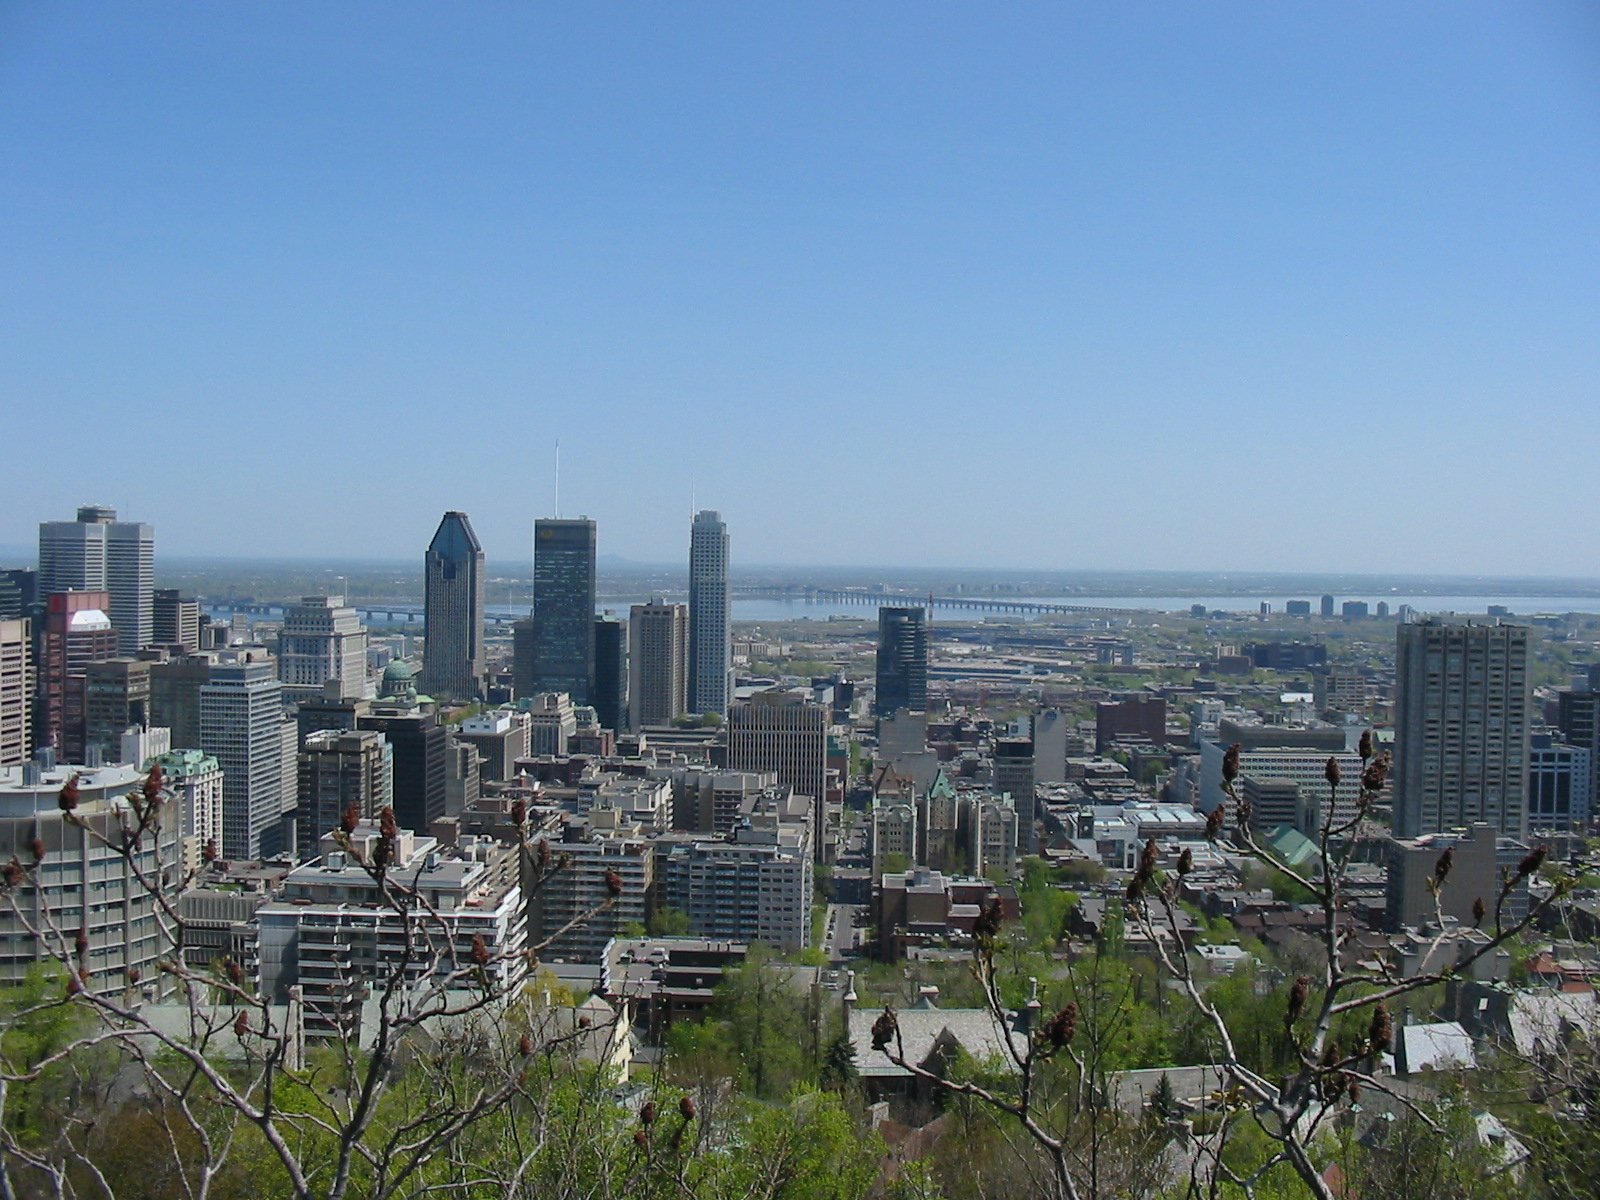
(387, 613)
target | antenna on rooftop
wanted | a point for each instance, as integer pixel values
(558, 478)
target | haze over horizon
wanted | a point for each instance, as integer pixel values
(959, 288)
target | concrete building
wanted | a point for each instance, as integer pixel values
(754, 886)
(711, 800)
(500, 737)
(83, 881)
(332, 934)
(563, 606)
(98, 553)
(1560, 785)
(453, 598)
(610, 693)
(1461, 728)
(1326, 607)
(175, 696)
(1478, 855)
(658, 663)
(553, 720)
(337, 771)
(561, 907)
(19, 594)
(175, 622)
(322, 641)
(241, 725)
(1133, 717)
(710, 615)
(1274, 802)
(1053, 738)
(77, 632)
(1013, 776)
(420, 743)
(195, 779)
(781, 730)
(902, 661)
(462, 780)
(16, 692)
(116, 698)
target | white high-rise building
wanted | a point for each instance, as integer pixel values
(1462, 696)
(710, 614)
(98, 553)
(241, 724)
(322, 639)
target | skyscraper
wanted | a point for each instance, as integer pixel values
(453, 582)
(76, 633)
(710, 645)
(563, 606)
(241, 725)
(610, 697)
(322, 640)
(177, 621)
(338, 770)
(16, 692)
(97, 552)
(902, 661)
(658, 636)
(1461, 728)
(784, 731)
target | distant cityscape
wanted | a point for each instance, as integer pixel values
(855, 777)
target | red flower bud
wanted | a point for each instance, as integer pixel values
(241, 1025)
(1331, 772)
(350, 819)
(480, 950)
(647, 1114)
(641, 1139)
(613, 884)
(36, 847)
(69, 795)
(1230, 763)
(525, 1045)
(686, 1107)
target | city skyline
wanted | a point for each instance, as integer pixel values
(1128, 262)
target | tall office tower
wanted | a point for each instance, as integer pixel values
(420, 743)
(1013, 774)
(16, 692)
(77, 632)
(322, 640)
(1461, 728)
(339, 770)
(1052, 731)
(97, 552)
(176, 621)
(1578, 717)
(710, 614)
(19, 593)
(658, 641)
(902, 661)
(524, 657)
(175, 696)
(116, 699)
(1327, 606)
(241, 726)
(610, 696)
(563, 606)
(783, 731)
(453, 583)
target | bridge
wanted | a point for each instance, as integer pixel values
(875, 597)
(378, 614)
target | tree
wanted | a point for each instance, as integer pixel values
(451, 1048)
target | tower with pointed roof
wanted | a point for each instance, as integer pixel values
(453, 574)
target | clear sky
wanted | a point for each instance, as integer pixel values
(1058, 285)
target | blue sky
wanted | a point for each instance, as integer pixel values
(1177, 286)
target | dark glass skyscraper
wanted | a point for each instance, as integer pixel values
(453, 571)
(563, 606)
(902, 661)
(610, 698)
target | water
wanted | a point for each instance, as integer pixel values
(773, 610)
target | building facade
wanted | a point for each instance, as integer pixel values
(710, 615)
(337, 771)
(323, 640)
(902, 661)
(610, 694)
(16, 692)
(783, 731)
(98, 553)
(1461, 728)
(241, 725)
(658, 684)
(453, 598)
(77, 632)
(563, 606)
